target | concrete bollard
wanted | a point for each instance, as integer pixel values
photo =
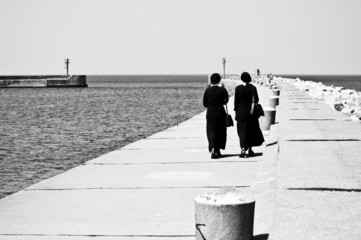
(224, 214)
(269, 118)
(274, 101)
(276, 92)
(270, 86)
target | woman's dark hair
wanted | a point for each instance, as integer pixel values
(215, 78)
(246, 77)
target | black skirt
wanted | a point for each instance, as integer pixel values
(216, 128)
(249, 133)
(254, 136)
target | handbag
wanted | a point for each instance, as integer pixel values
(229, 120)
(257, 108)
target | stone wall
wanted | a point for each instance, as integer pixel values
(23, 83)
(72, 81)
(43, 81)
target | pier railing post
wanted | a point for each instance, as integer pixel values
(274, 101)
(269, 118)
(275, 92)
(224, 214)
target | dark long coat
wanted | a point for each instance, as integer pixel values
(214, 98)
(248, 128)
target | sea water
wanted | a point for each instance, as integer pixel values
(46, 131)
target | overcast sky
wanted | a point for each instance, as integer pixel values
(180, 36)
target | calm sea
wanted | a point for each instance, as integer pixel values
(346, 81)
(46, 131)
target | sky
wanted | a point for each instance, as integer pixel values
(180, 36)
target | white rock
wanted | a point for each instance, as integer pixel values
(355, 119)
(348, 92)
(339, 89)
(348, 111)
(357, 112)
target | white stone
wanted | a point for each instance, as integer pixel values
(355, 119)
(347, 110)
(357, 112)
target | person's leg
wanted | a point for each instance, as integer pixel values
(241, 129)
(214, 153)
(221, 137)
(250, 152)
(218, 152)
(211, 136)
(254, 135)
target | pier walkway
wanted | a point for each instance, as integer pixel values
(319, 170)
(306, 180)
(145, 190)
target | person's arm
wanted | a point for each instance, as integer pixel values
(252, 108)
(236, 100)
(205, 99)
(236, 103)
(226, 97)
(256, 99)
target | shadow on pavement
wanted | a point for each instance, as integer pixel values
(237, 155)
(260, 237)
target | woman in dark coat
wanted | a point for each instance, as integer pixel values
(248, 128)
(215, 96)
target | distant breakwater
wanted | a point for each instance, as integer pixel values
(42, 81)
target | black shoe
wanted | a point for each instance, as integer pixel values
(218, 153)
(243, 154)
(250, 153)
(213, 154)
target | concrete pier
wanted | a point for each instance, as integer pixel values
(319, 170)
(145, 190)
(43, 81)
(305, 179)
